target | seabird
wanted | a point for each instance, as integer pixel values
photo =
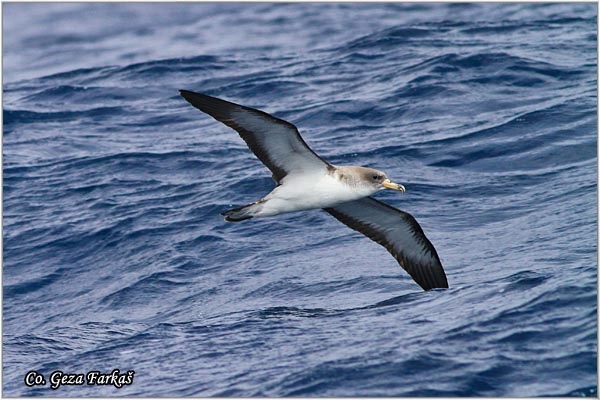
(305, 181)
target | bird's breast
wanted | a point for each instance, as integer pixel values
(310, 192)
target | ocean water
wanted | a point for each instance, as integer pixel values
(115, 255)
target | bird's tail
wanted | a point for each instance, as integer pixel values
(242, 213)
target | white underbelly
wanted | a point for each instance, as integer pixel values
(306, 194)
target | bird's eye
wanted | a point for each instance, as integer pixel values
(376, 177)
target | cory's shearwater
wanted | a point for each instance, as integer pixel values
(305, 181)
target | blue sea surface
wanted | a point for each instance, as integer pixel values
(115, 255)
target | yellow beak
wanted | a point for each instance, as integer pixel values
(391, 185)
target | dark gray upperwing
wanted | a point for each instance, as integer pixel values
(277, 143)
(399, 233)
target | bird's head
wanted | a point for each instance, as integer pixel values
(381, 181)
(371, 180)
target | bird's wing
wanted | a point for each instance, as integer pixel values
(277, 143)
(399, 233)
